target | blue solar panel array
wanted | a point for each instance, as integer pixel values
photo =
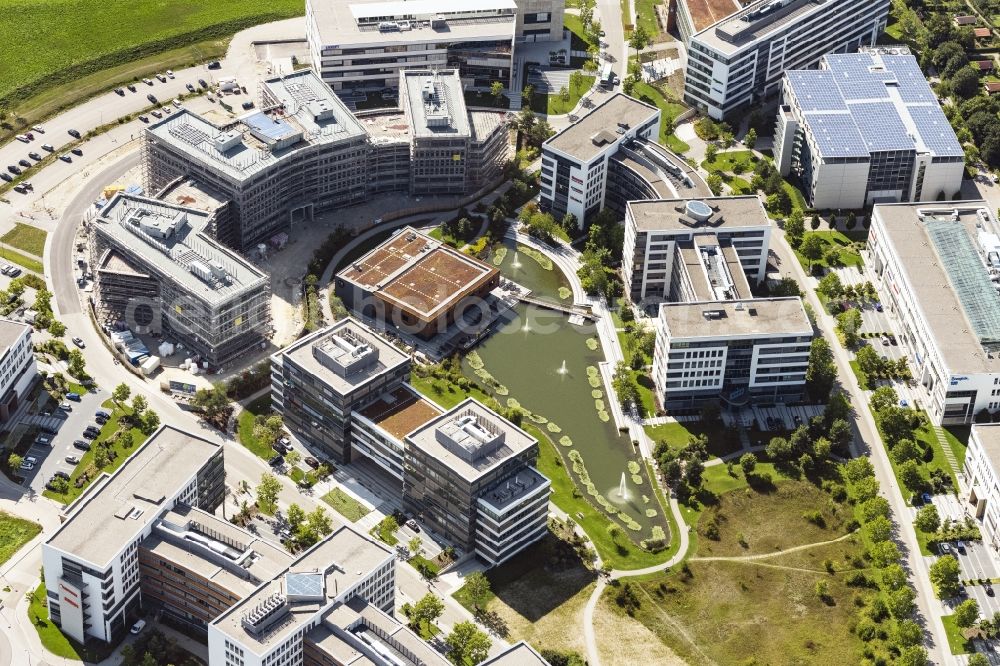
(882, 102)
(265, 125)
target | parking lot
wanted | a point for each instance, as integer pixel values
(52, 458)
(549, 79)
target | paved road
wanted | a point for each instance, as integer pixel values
(928, 607)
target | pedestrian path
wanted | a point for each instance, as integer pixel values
(949, 455)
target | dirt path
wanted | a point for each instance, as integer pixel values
(764, 556)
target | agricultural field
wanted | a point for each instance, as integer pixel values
(85, 36)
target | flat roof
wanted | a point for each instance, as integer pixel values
(121, 505)
(873, 101)
(240, 149)
(342, 24)
(519, 654)
(471, 457)
(988, 435)
(172, 239)
(662, 187)
(938, 261)
(673, 214)
(578, 139)
(400, 411)
(434, 102)
(417, 272)
(733, 33)
(11, 332)
(704, 13)
(750, 317)
(307, 354)
(343, 558)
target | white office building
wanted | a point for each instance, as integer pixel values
(732, 351)
(937, 268)
(738, 61)
(18, 369)
(92, 578)
(982, 477)
(866, 128)
(694, 249)
(363, 45)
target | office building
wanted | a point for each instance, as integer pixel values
(93, 584)
(936, 268)
(734, 351)
(158, 270)
(304, 153)
(469, 477)
(417, 283)
(694, 249)
(866, 128)
(982, 481)
(452, 151)
(363, 45)
(738, 62)
(18, 369)
(319, 380)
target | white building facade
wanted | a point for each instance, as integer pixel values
(738, 62)
(18, 368)
(982, 476)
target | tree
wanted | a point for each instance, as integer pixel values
(466, 643)
(77, 364)
(414, 545)
(928, 519)
(293, 457)
(821, 372)
(212, 402)
(831, 286)
(894, 577)
(57, 328)
(319, 522)
(857, 469)
(150, 422)
(121, 393)
(814, 222)
(14, 461)
(876, 506)
(966, 613)
(295, 516)
(564, 94)
(496, 90)
(639, 40)
(426, 611)
(883, 398)
(711, 151)
(750, 140)
(748, 463)
(965, 83)
(477, 586)
(944, 575)
(794, 229)
(139, 406)
(900, 602)
(879, 529)
(869, 362)
(909, 474)
(909, 633)
(714, 182)
(915, 655)
(624, 385)
(267, 491)
(811, 248)
(978, 659)
(884, 553)
(852, 220)
(848, 324)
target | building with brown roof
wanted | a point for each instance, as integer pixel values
(416, 283)
(982, 33)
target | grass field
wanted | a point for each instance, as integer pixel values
(245, 427)
(22, 260)
(553, 103)
(956, 641)
(54, 640)
(721, 440)
(87, 457)
(81, 38)
(26, 237)
(645, 16)
(834, 239)
(14, 533)
(669, 109)
(345, 505)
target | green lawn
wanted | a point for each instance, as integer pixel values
(579, 40)
(54, 640)
(245, 427)
(379, 532)
(345, 505)
(726, 161)
(553, 104)
(23, 260)
(721, 440)
(87, 457)
(833, 239)
(669, 109)
(14, 533)
(79, 39)
(26, 237)
(645, 16)
(956, 642)
(861, 376)
(926, 438)
(958, 439)
(647, 398)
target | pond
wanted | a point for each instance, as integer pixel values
(546, 364)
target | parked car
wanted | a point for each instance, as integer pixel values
(72, 460)
(202, 83)
(148, 82)
(102, 414)
(25, 465)
(960, 546)
(138, 626)
(157, 114)
(48, 146)
(161, 78)
(878, 307)
(81, 444)
(73, 133)
(215, 64)
(144, 119)
(13, 169)
(38, 128)
(885, 341)
(20, 189)
(189, 87)
(66, 407)
(275, 460)
(31, 459)
(312, 462)
(76, 151)
(23, 138)
(62, 475)
(926, 497)
(131, 87)
(35, 156)
(24, 163)
(944, 548)
(72, 395)
(989, 590)
(412, 524)
(247, 105)
(91, 434)
(66, 158)
(152, 98)
(79, 343)
(6, 176)
(120, 91)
